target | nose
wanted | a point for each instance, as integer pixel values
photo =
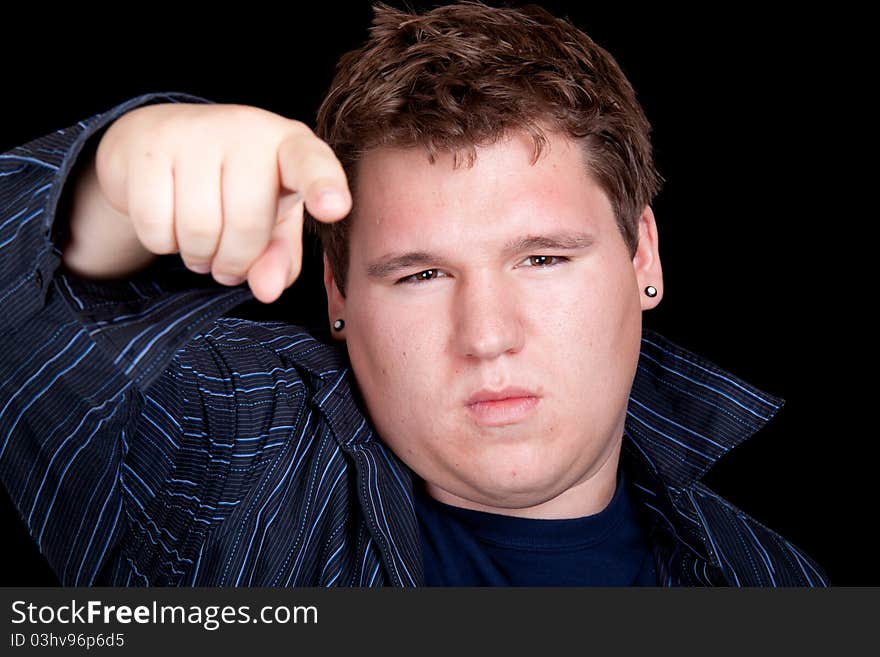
(488, 318)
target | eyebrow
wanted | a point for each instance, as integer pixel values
(392, 263)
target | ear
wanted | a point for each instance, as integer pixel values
(335, 300)
(646, 261)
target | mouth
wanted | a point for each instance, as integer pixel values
(502, 407)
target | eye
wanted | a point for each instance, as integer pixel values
(421, 277)
(543, 261)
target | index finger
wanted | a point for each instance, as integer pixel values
(309, 167)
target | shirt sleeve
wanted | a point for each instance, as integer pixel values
(78, 356)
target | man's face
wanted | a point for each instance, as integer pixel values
(506, 279)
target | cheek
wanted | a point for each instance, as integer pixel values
(394, 356)
(592, 341)
(397, 365)
(588, 306)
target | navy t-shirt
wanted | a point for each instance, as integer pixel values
(463, 547)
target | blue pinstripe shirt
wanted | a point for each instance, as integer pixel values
(148, 439)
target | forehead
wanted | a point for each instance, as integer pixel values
(399, 191)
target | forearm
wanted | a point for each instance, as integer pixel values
(102, 242)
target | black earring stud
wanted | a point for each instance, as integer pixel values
(338, 325)
(651, 291)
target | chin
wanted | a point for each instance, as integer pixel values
(517, 491)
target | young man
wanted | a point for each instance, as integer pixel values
(494, 413)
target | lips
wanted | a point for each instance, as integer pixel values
(501, 407)
(497, 395)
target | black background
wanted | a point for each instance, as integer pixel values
(758, 245)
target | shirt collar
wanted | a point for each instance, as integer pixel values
(685, 412)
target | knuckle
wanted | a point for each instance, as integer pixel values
(321, 153)
(314, 159)
(162, 130)
(200, 232)
(158, 244)
(231, 265)
(303, 147)
(195, 255)
(240, 114)
(298, 128)
(249, 224)
(150, 225)
(159, 247)
(227, 274)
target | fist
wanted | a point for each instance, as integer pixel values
(224, 186)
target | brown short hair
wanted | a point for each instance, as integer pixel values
(466, 75)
